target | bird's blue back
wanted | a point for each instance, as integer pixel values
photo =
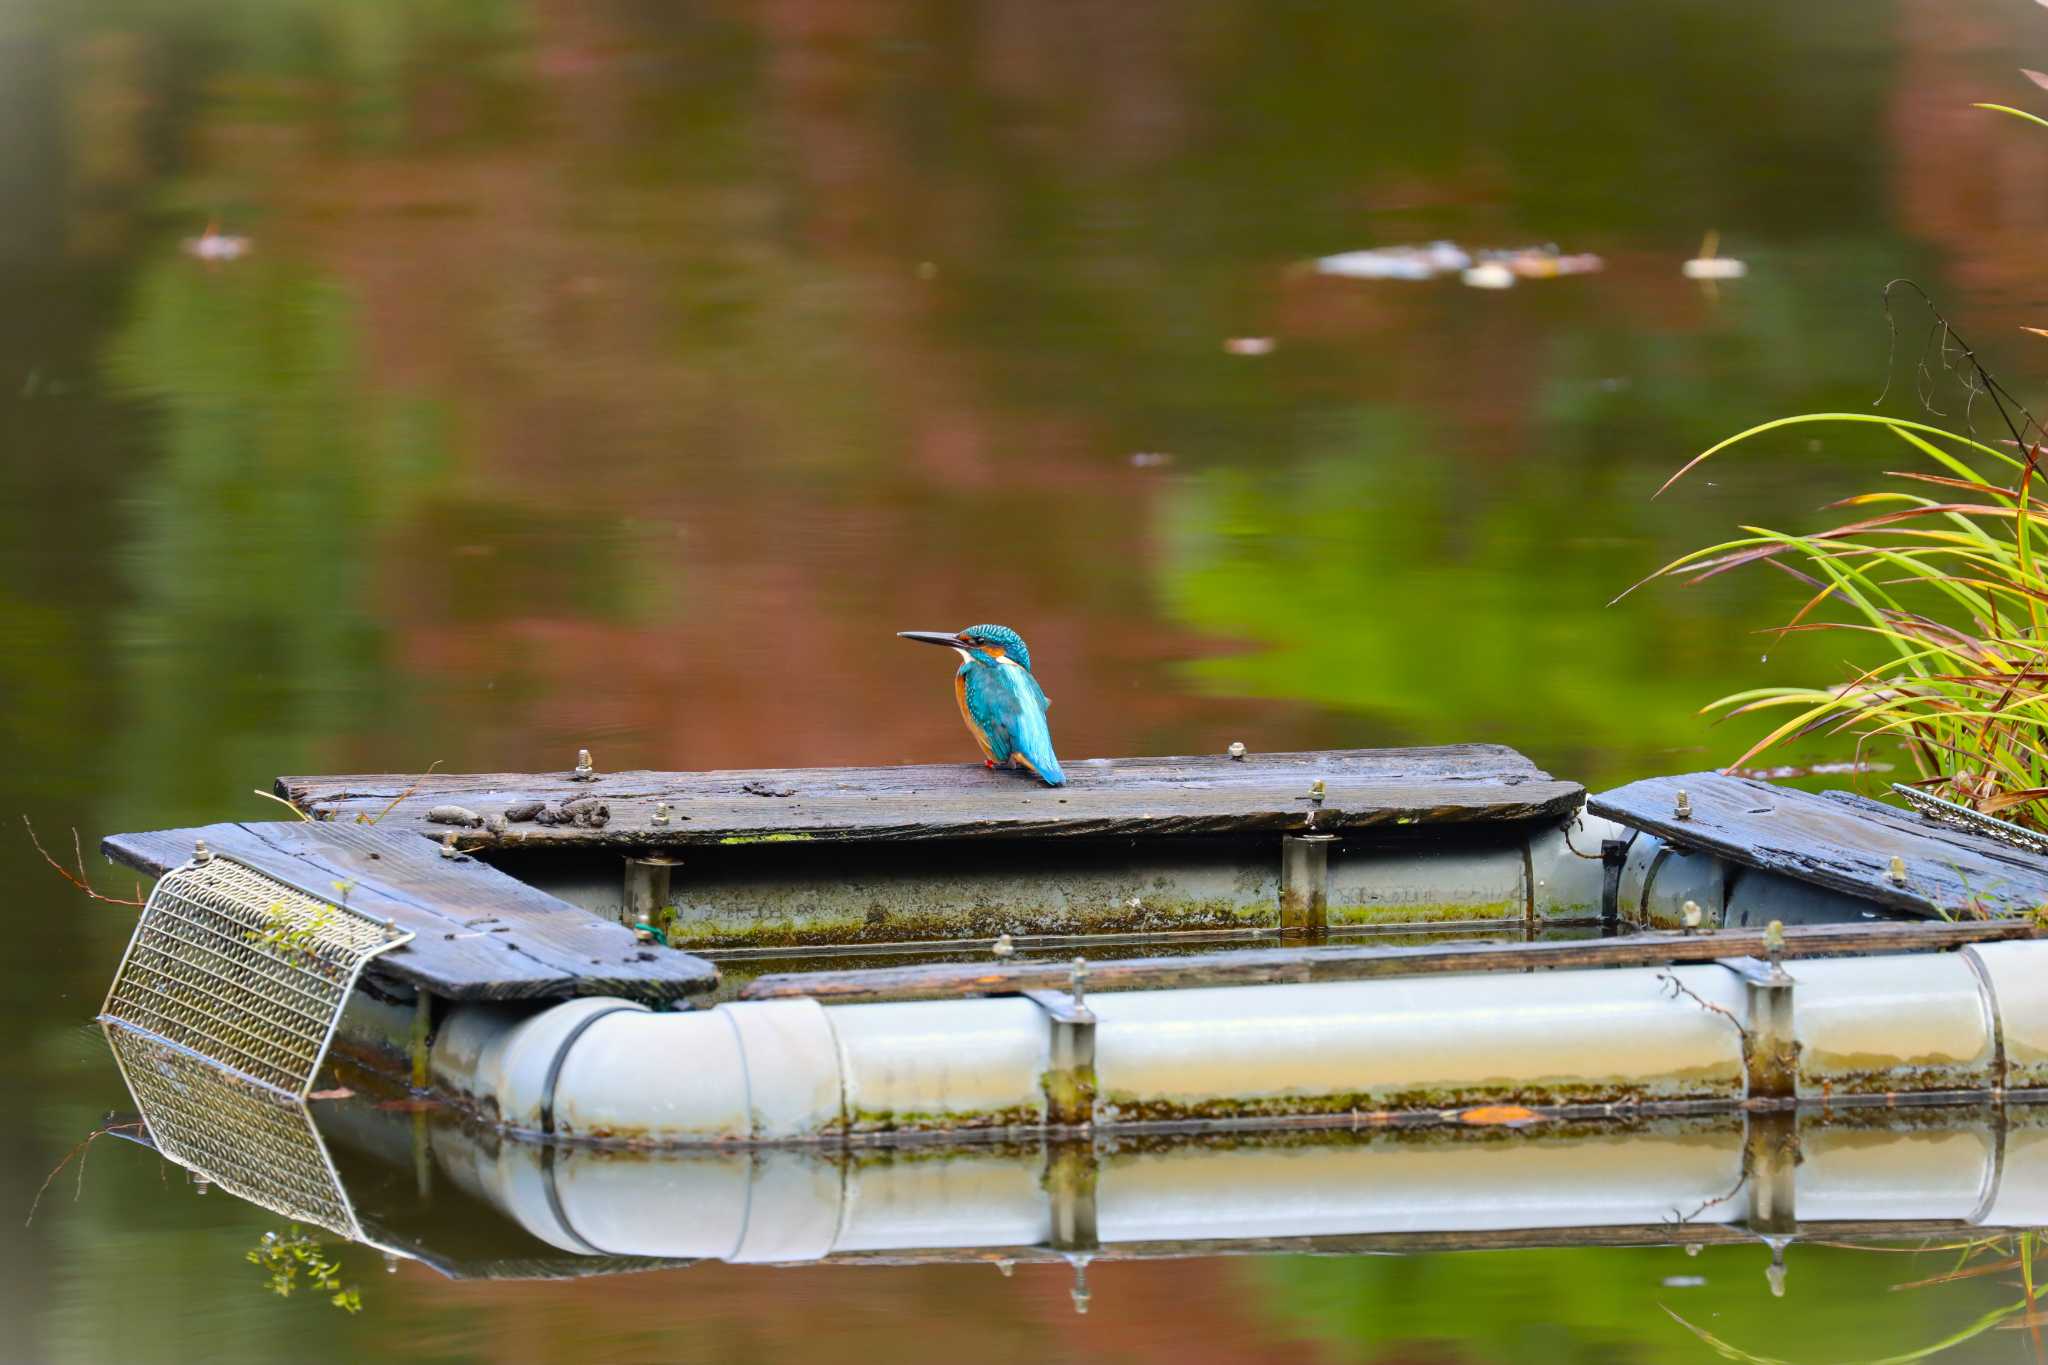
(1007, 705)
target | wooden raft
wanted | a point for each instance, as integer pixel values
(1463, 783)
(1838, 840)
(480, 935)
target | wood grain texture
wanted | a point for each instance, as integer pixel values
(1838, 840)
(1268, 966)
(481, 935)
(1135, 797)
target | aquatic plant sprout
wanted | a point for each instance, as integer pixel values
(1946, 571)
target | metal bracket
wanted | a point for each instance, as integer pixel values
(1305, 883)
(1070, 1171)
(1770, 1158)
(1069, 1081)
(1613, 855)
(647, 890)
(1770, 1047)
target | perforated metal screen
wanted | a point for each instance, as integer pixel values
(255, 1142)
(244, 970)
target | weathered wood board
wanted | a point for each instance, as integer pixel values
(480, 935)
(1837, 840)
(1269, 966)
(1463, 783)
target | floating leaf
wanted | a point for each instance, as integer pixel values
(1499, 1115)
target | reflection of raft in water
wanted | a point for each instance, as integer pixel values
(431, 1187)
(1161, 872)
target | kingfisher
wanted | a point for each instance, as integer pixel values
(1003, 705)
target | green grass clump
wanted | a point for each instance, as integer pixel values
(1942, 572)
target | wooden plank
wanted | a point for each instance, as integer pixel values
(1838, 841)
(1103, 797)
(481, 935)
(1268, 966)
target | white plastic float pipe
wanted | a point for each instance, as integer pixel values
(788, 1204)
(795, 1070)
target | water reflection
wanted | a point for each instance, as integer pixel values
(1761, 1197)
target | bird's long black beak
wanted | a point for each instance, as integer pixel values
(932, 637)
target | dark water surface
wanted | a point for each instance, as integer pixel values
(624, 374)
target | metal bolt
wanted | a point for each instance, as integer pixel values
(1681, 809)
(1774, 943)
(585, 769)
(1080, 1290)
(661, 812)
(1003, 946)
(1775, 1274)
(448, 848)
(200, 1184)
(1898, 871)
(1316, 793)
(1236, 750)
(1689, 915)
(200, 852)
(1076, 976)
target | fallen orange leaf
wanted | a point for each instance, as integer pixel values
(1499, 1114)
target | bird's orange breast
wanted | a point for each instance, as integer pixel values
(960, 695)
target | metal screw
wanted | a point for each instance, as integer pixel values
(1076, 975)
(585, 769)
(448, 848)
(1236, 750)
(1774, 943)
(1316, 793)
(1898, 871)
(1080, 1290)
(661, 812)
(1689, 915)
(200, 1184)
(200, 852)
(1003, 946)
(1681, 809)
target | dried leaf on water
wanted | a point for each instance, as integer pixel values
(1499, 1115)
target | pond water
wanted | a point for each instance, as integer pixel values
(395, 382)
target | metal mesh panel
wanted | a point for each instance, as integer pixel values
(1962, 817)
(256, 1143)
(245, 970)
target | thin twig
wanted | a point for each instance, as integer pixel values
(273, 796)
(418, 782)
(77, 1150)
(1679, 988)
(78, 878)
